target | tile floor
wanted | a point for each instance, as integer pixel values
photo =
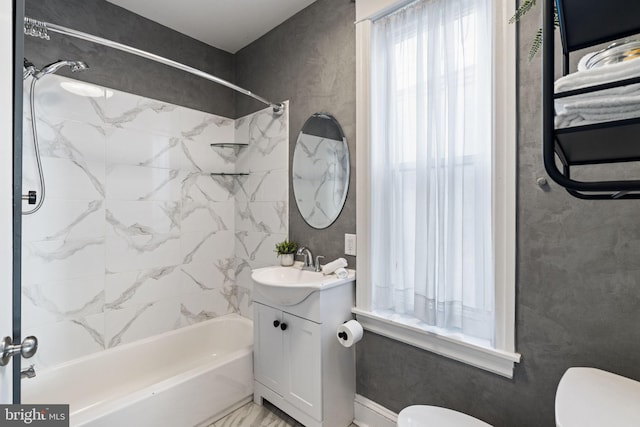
(252, 415)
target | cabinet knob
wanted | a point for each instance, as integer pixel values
(283, 326)
(276, 323)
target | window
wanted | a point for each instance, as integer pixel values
(437, 217)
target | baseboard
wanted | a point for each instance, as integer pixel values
(370, 414)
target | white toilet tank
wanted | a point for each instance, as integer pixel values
(435, 416)
(589, 397)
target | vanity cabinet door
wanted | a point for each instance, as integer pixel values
(268, 359)
(302, 349)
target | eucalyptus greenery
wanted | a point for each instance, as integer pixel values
(525, 7)
(286, 247)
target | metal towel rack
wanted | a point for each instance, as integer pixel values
(582, 25)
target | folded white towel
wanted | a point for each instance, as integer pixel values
(582, 64)
(584, 118)
(596, 107)
(342, 273)
(595, 76)
(333, 266)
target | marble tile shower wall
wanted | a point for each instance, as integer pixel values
(262, 197)
(135, 237)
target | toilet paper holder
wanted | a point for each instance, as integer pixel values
(343, 335)
(349, 333)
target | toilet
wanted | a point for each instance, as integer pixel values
(586, 397)
(590, 397)
(435, 416)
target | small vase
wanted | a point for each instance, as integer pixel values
(286, 260)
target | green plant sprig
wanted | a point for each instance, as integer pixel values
(522, 10)
(286, 247)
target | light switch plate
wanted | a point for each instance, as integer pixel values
(350, 244)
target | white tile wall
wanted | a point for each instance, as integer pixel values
(57, 260)
(262, 198)
(136, 237)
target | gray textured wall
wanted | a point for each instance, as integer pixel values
(309, 60)
(126, 72)
(578, 297)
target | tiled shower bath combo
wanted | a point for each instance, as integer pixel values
(136, 237)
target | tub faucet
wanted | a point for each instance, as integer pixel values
(29, 372)
(308, 258)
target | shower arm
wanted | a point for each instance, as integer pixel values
(45, 27)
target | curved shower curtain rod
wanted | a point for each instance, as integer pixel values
(35, 28)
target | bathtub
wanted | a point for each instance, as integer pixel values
(188, 377)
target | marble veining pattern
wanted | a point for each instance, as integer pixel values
(142, 278)
(65, 250)
(230, 183)
(136, 237)
(262, 200)
(226, 267)
(117, 338)
(36, 295)
(59, 145)
(160, 186)
(124, 118)
(66, 220)
(92, 207)
(192, 317)
(173, 143)
(236, 297)
(202, 285)
(97, 337)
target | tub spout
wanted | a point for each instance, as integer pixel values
(29, 372)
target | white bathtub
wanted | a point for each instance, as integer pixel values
(188, 377)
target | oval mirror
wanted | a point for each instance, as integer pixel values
(320, 170)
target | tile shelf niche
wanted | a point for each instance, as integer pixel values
(584, 25)
(229, 144)
(236, 146)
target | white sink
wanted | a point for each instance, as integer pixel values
(589, 397)
(292, 285)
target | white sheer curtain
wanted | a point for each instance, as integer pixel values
(432, 256)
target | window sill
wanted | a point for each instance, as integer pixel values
(454, 346)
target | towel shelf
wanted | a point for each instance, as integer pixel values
(599, 143)
(236, 147)
(229, 144)
(596, 88)
(586, 24)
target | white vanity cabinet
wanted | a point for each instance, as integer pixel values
(288, 361)
(299, 365)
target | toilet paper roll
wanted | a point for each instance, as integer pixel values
(349, 333)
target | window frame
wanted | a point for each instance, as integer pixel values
(502, 358)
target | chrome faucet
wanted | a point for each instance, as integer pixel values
(308, 258)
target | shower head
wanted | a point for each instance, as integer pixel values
(78, 66)
(55, 66)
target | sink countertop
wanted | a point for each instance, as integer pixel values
(292, 285)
